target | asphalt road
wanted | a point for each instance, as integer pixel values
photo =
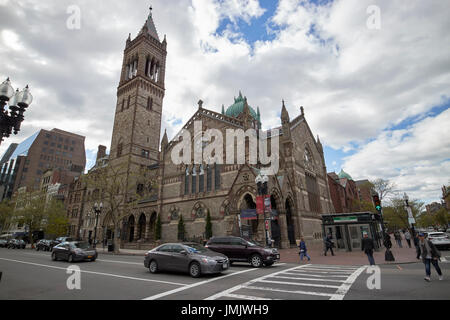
(33, 275)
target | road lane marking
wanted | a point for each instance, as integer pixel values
(300, 284)
(245, 297)
(168, 293)
(308, 279)
(97, 273)
(245, 285)
(299, 273)
(308, 293)
(345, 287)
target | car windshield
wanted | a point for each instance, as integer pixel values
(437, 234)
(81, 245)
(253, 243)
(195, 248)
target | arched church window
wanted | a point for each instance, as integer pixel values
(186, 181)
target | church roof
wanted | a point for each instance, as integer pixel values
(238, 107)
(344, 175)
(150, 26)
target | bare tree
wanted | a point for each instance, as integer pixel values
(120, 191)
(383, 188)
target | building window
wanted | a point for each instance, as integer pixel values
(217, 177)
(194, 182)
(149, 103)
(208, 179)
(140, 189)
(186, 182)
(145, 154)
(313, 194)
(128, 103)
(123, 104)
(201, 180)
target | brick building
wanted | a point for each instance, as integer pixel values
(344, 192)
(55, 149)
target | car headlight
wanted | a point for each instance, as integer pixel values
(209, 261)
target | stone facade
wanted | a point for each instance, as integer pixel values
(299, 191)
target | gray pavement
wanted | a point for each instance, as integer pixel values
(28, 274)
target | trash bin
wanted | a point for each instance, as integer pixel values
(111, 248)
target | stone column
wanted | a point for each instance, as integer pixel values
(283, 230)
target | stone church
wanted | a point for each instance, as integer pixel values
(299, 191)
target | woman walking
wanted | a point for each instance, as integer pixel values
(303, 250)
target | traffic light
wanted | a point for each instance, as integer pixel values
(377, 203)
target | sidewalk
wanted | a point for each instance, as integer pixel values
(401, 255)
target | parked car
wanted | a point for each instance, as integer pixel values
(192, 258)
(241, 250)
(74, 251)
(46, 245)
(440, 240)
(16, 244)
(3, 243)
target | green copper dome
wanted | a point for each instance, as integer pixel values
(344, 175)
(238, 107)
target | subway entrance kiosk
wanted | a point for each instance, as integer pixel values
(347, 229)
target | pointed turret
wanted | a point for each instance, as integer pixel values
(165, 141)
(284, 114)
(149, 27)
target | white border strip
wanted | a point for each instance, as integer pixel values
(345, 287)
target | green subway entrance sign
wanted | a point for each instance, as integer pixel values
(345, 219)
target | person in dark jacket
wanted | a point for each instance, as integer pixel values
(368, 247)
(416, 244)
(430, 255)
(303, 250)
(387, 241)
(329, 244)
(398, 238)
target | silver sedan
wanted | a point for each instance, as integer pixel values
(192, 258)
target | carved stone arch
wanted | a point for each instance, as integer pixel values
(278, 198)
(240, 194)
(199, 211)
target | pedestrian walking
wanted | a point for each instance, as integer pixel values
(398, 238)
(408, 238)
(303, 250)
(430, 256)
(387, 241)
(367, 246)
(329, 244)
(416, 244)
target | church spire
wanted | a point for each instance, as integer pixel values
(149, 26)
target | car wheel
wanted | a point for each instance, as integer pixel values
(70, 258)
(256, 261)
(54, 256)
(194, 270)
(153, 267)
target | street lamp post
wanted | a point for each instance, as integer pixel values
(18, 102)
(411, 219)
(98, 210)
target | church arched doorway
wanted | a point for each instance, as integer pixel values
(131, 222)
(249, 228)
(141, 227)
(275, 227)
(290, 222)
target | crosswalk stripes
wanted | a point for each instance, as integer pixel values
(324, 281)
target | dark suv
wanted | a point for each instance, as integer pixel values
(241, 250)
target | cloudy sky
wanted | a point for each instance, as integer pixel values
(379, 98)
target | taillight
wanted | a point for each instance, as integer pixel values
(206, 246)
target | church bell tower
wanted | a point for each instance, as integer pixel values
(137, 123)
